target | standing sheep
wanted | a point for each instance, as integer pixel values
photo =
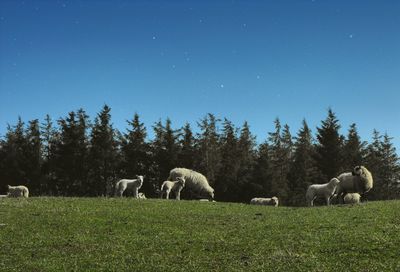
(194, 181)
(359, 181)
(323, 190)
(273, 201)
(172, 186)
(18, 191)
(124, 184)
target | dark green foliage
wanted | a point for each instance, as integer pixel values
(102, 156)
(329, 148)
(75, 158)
(303, 171)
(280, 153)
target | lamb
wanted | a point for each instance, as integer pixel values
(194, 181)
(142, 196)
(124, 184)
(323, 190)
(18, 191)
(172, 186)
(273, 201)
(352, 198)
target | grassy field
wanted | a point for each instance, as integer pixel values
(106, 234)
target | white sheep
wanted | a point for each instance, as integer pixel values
(359, 181)
(322, 190)
(18, 191)
(124, 184)
(194, 181)
(273, 201)
(172, 186)
(352, 198)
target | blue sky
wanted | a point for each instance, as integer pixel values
(182, 59)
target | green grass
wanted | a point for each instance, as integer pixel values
(106, 234)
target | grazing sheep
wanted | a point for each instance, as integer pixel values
(124, 184)
(194, 181)
(273, 201)
(359, 181)
(323, 190)
(18, 191)
(172, 186)
(352, 198)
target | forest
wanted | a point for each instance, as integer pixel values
(78, 156)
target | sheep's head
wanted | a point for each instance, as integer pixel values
(334, 181)
(357, 171)
(211, 194)
(274, 200)
(181, 181)
(140, 179)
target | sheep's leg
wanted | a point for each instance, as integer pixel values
(136, 193)
(328, 201)
(167, 194)
(178, 195)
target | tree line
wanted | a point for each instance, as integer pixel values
(76, 156)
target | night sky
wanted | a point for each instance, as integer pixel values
(182, 59)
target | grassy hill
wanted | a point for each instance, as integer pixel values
(100, 234)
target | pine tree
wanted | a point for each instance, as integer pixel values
(329, 148)
(353, 150)
(33, 157)
(14, 161)
(261, 182)
(303, 170)
(136, 157)
(187, 152)
(227, 177)
(209, 160)
(247, 162)
(102, 155)
(390, 169)
(72, 153)
(373, 163)
(50, 140)
(280, 156)
(165, 150)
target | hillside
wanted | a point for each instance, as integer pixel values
(106, 234)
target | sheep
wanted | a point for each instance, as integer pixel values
(18, 191)
(124, 184)
(194, 181)
(172, 186)
(352, 198)
(324, 190)
(359, 181)
(273, 201)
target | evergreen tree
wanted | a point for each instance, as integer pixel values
(389, 171)
(102, 155)
(261, 185)
(50, 140)
(136, 157)
(227, 177)
(165, 150)
(187, 151)
(72, 153)
(373, 163)
(329, 148)
(280, 156)
(33, 157)
(14, 170)
(209, 160)
(247, 162)
(303, 170)
(354, 149)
